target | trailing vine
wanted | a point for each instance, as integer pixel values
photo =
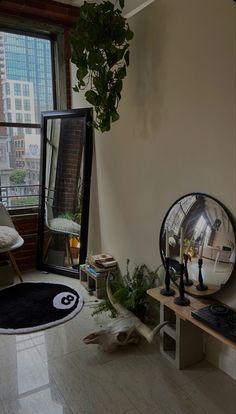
(100, 51)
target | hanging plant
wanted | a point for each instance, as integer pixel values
(100, 50)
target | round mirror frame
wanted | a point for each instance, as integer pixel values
(205, 293)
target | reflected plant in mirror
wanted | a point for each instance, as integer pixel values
(65, 179)
(208, 243)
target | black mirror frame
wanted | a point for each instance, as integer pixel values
(232, 221)
(87, 169)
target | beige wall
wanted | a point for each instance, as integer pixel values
(177, 132)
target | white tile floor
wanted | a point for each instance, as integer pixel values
(53, 372)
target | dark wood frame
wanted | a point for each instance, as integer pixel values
(87, 168)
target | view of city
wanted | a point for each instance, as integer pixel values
(25, 91)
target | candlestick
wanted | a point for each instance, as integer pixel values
(201, 285)
(167, 243)
(181, 246)
(181, 299)
(201, 247)
(167, 291)
(187, 281)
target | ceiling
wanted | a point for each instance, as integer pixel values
(132, 6)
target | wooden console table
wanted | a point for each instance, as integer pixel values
(182, 339)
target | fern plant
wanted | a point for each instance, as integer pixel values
(130, 290)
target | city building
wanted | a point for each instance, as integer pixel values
(28, 59)
(26, 90)
(5, 169)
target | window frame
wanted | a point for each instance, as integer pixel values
(56, 35)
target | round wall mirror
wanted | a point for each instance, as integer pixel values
(207, 245)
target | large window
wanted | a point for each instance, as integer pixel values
(17, 86)
(26, 105)
(26, 89)
(178, 213)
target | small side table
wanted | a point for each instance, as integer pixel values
(93, 281)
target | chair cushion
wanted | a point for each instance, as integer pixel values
(65, 225)
(8, 237)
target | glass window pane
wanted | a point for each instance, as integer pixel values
(18, 104)
(17, 89)
(20, 168)
(27, 72)
(26, 105)
(26, 89)
(27, 118)
(8, 103)
(19, 117)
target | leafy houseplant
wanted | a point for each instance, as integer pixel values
(100, 50)
(130, 290)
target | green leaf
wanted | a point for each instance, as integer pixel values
(100, 50)
(126, 57)
(129, 34)
(81, 84)
(91, 97)
(81, 72)
(122, 3)
(115, 116)
(95, 59)
(118, 86)
(121, 73)
(107, 6)
(106, 126)
(112, 58)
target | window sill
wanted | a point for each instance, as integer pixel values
(22, 211)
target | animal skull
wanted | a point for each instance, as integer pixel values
(123, 330)
(120, 332)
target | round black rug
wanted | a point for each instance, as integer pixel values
(32, 306)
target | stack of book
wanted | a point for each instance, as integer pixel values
(102, 263)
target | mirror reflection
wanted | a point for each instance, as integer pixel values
(208, 243)
(64, 219)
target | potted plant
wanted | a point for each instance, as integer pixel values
(100, 50)
(130, 290)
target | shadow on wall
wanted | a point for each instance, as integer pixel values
(94, 236)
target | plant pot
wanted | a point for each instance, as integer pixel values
(74, 242)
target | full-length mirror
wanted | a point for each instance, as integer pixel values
(67, 141)
(208, 243)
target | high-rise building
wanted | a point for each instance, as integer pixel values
(18, 102)
(28, 59)
(26, 91)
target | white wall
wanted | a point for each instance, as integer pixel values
(177, 128)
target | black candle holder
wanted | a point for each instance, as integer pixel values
(187, 281)
(181, 299)
(201, 285)
(167, 291)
